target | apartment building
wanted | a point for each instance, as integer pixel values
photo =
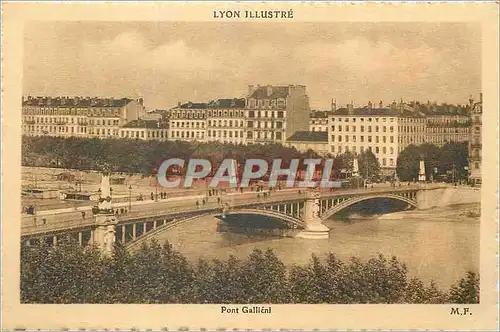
(187, 122)
(78, 116)
(145, 130)
(226, 121)
(445, 128)
(276, 112)
(221, 120)
(383, 131)
(475, 140)
(318, 121)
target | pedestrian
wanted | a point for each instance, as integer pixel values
(152, 196)
(203, 202)
(83, 215)
(218, 200)
(197, 204)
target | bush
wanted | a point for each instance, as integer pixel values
(68, 273)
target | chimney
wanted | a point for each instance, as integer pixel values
(380, 104)
(481, 97)
(370, 105)
(334, 105)
(178, 104)
(350, 108)
(269, 90)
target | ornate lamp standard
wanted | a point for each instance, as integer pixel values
(129, 198)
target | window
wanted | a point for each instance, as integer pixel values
(376, 139)
(346, 128)
(362, 129)
(384, 162)
(340, 138)
(333, 128)
(392, 150)
(376, 129)
(384, 150)
(362, 138)
(332, 148)
(340, 128)
(377, 149)
(369, 129)
(354, 138)
(369, 139)
(476, 165)
(333, 138)
(392, 139)
(346, 138)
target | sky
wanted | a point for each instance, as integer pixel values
(171, 62)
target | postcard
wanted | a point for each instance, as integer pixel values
(241, 165)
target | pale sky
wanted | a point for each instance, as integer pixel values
(167, 62)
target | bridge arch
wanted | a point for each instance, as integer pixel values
(289, 220)
(357, 199)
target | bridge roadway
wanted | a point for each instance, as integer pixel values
(74, 220)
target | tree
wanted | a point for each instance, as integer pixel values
(368, 164)
(466, 291)
(454, 159)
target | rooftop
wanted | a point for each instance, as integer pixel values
(320, 114)
(270, 92)
(215, 104)
(368, 111)
(76, 101)
(309, 136)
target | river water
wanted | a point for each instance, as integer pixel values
(440, 244)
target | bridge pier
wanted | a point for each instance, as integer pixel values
(104, 234)
(313, 227)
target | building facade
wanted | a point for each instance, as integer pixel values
(276, 112)
(475, 141)
(304, 141)
(78, 116)
(222, 120)
(187, 122)
(447, 128)
(318, 121)
(383, 131)
(226, 119)
(145, 130)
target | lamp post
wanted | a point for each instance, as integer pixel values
(129, 198)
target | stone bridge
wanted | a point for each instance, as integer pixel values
(304, 212)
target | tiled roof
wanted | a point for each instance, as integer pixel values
(75, 101)
(309, 136)
(149, 124)
(227, 103)
(320, 114)
(219, 103)
(191, 105)
(275, 92)
(366, 111)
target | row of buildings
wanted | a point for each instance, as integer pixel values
(267, 114)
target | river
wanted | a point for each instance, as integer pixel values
(440, 244)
